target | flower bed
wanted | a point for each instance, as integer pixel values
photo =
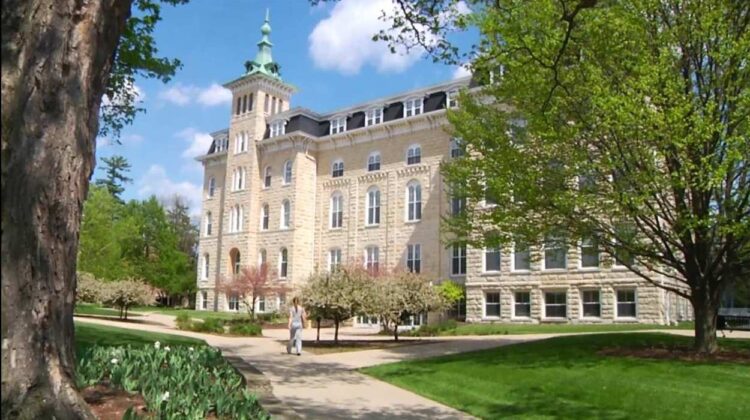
(175, 382)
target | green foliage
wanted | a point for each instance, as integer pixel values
(210, 325)
(175, 381)
(247, 329)
(244, 326)
(432, 330)
(183, 321)
(115, 168)
(451, 291)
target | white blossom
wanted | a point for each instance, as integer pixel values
(167, 348)
(157, 345)
(165, 396)
(114, 361)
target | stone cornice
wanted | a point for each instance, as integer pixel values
(373, 176)
(336, 183)
(413, 170)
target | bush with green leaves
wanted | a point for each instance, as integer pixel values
(433, 329)
(183, 321)
(247, 329)
(176, 383)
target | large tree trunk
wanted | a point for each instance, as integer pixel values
(56, 57)
(706, 313)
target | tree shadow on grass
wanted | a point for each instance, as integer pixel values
(537, 403)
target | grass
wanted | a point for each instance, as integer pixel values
(328, 346)
(191, 312)
(90, 309)
(564, 377)
(501, 329)
(88, 335)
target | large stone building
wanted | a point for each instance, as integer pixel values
(299, 191)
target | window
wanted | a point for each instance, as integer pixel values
(522, 305)
(622, 257)
(250, 102)
(239, 106)
(204, 300)
(205, 266)
(240, 143)
(458, 260)
(273, 105)
(266, 103)
(286, 214)
(209, 224)
(211, 187)
(287, 172)
(489, 196)
(267, 177)
(235, 218)
(337, 169)
(338, 125)
(412, 107)
(334, 259)
(234, 302)
(221, 145)
(262, 258)
(457, 148)
(373, 206)
(521, 257)
(414, 155)
(264, 217)
(372, 259)
(451, 100)
(555, 305)
(283, 263)
(414, 201)
(554, 252)
(492, 260)
(281, 106)
(261, 303)
(373, 162)
(589, 252)
(592, 307)
(238, 179)
(492, 304)
(626, 304)
(277, 128)
(337, 210)
(373, 116)
(458, 204)
(244, 104)
(234, 254)
(414, 258)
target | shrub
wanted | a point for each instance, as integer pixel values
(434, 329)
(89, 289)
(270, 317)
(183, 321)
(247, 329)
(125, 294)
(177, 382)
(209, 325)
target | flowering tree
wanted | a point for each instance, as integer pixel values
(124, 294)
(250, 284)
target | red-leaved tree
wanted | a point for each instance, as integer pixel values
(250, 284)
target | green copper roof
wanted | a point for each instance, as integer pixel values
(263, 62)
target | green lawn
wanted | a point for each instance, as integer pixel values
(193, 313)
(90, 309)
(564, 377)
(88, 335)
(500, 329)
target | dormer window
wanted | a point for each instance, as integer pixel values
(338, 125)
(451, 100)
(413, 107)
(277, 128)
(373, 116)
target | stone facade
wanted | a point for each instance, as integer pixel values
(264, 134)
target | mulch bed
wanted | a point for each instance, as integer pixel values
(684, 354)
(108, 403)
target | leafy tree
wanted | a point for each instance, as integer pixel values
(99, 251)
(624, 122)
(59, 58)
(115, 169)
(452, 293)
(124, 294)
(250, 284)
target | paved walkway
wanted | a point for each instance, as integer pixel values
(327, 386)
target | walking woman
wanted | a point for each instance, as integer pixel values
(296, 324)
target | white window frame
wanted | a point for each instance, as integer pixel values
(372, 207)
(414, 258)
(634, 302)
(267, 177)
(413, 208)
(276, 128)
(262, 257)
(287, 174)
(414, 152)
(589, 242)
(515, 302)
(555, 304)
(233, 300)
(337, 125)
(372, 258)
(373, 116)
(209, 224)
(236, 215)
(374, 159)
(458, 252)
(513, 267)
(413, 107)
(204, 299)
(286, 215)
(550, 238)
(336, 213)
(334, 258)
(584, 302)
(265, 217)
(451, 98)
(211, 187)
(206, 266)
(487, 250)
(499, 304)
(337, 164)
(283, 263)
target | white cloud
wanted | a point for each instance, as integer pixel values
(182, 95)
(461, 71)
(156, 182)
(138, 95)
(214, 95)
(343, 41)
(199, 142)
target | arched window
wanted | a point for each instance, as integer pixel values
(209, 223)
(238, 179)
(373, 162)
(283, 263)
(287, 172)
(267, 177)
(373, 206)
(337, 169)
(286, 214)
(414, 154)
(211, 187)
(414, 201)
(205, 266)
(264, 217)
(372, 259)
(235, 218)
(250, 103)
(262, 258)
(234, 258)
(337, 210)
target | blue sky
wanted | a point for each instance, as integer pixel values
(325, 51)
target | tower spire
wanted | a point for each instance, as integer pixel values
(263, 62)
